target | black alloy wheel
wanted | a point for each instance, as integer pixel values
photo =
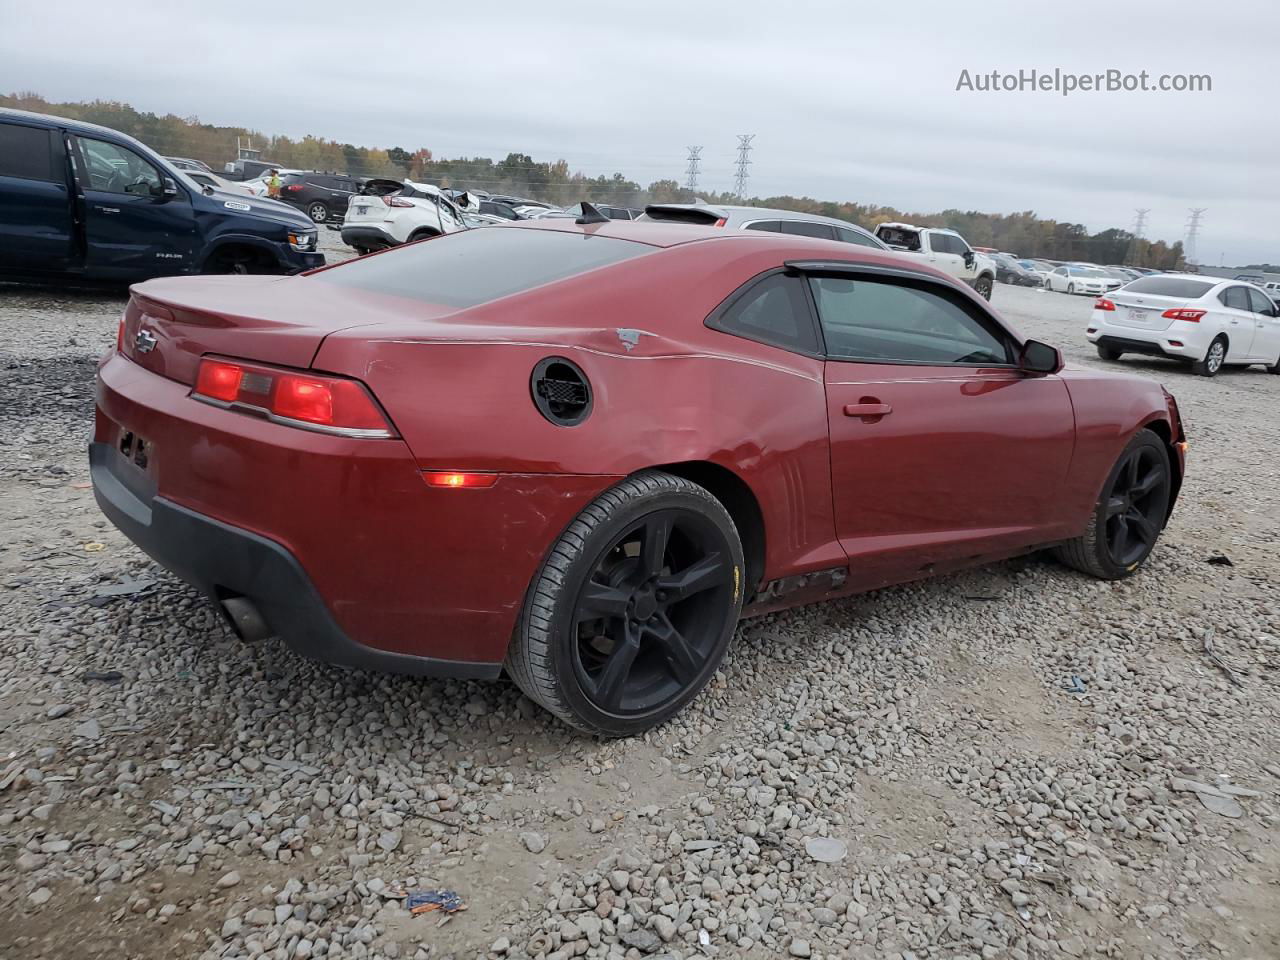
(1136, 505)
(647, 619)
(633, 610)
(1130, 513)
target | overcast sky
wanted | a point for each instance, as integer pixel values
(848, 100)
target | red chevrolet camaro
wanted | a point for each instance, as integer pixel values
(580, 451)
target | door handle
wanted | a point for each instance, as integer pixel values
(867, 409)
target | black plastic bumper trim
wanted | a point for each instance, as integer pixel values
(219, 559)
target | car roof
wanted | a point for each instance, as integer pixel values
(74, 126)
(737, 213)
(665, 234)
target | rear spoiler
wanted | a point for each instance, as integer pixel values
(702, 214)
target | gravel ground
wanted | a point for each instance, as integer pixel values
(1016, 762)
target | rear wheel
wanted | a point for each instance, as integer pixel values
(318, 211)
(1275, 367)
(983, 287)
(632, 612)
(423, 234)
(1214, 358)
(1129, 514)
(1107, 353)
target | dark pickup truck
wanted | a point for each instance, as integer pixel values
(82, 202)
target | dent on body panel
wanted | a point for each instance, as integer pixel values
(1109, 411)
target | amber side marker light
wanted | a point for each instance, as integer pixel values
(458, 481)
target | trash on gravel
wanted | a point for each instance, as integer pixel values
(1075, 685)
(168, 809)
(1220, 560)
(826, 849)
(426, 901)
(1216, 660)
(114, 591)
(104, 676)
(1218, 798)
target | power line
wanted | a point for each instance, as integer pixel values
(691, 171)
(1193, 231)
(1139, 225)
(740, 178)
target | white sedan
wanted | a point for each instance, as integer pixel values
(1206, 320)
(1086, 280)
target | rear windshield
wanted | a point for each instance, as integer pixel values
(1184, 288)
(476, 266)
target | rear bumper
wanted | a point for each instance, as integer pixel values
(1176, 341)
(224, 561)
(368, 236)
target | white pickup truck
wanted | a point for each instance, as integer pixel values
(944, 250)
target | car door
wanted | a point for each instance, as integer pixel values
(134, 227)
(945, 253)
(1238, 322)
(37, 227)
(1058, 279)
(943, 451)
(1266, 327)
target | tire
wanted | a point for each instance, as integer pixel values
(1275, 367)
(423, 234)
(1144, 464)
(1214, 358)
(1071, 288)
(1107, 353)
(240, 260)
(643, 655)
(318, 211)
(982, 287)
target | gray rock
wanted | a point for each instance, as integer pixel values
(534, 842)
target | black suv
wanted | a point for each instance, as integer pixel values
(321, 196)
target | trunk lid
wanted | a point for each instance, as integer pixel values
(170, 324)
(1143, 311)
(367, 210)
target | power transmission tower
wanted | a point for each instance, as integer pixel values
(691, 171)
(740, 178)
(1139, 225)
(1193, 231)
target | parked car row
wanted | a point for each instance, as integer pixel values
(82, 202)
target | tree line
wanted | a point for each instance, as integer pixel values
(1024, 233)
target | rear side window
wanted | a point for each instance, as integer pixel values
(27, 153)
(1237, 298)
(879, 321)
(853, 236)
(773, 310)
(805, 228)
(770, 226)
(476, 266)
(1185, 288)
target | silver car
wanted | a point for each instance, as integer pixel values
(761, 218)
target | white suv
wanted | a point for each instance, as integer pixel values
(414, 212)
(944, 249)
(1206, 320)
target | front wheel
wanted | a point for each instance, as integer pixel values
(1129, 514)
(983, 288)
(633, 610)
(318, 212)
(1071, 288)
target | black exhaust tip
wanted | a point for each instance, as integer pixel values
(245, 619)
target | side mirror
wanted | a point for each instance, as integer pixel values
(969, 258)
(170, 188)
(1039, 357)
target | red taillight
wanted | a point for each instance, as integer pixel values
(391, 201)
(120, 335)
(316, 401)
(1177, 313)
(1175, 343)
(293, 188)
(721, 222)
(1102, 303)
(219, 380)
